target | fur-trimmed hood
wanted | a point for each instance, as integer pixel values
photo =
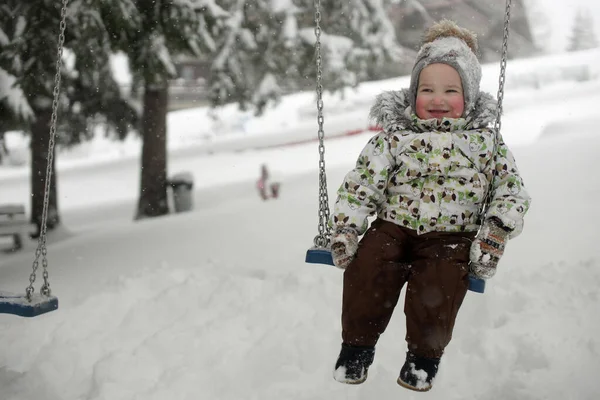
(392, 112)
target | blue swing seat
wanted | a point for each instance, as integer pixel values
(317, 255)
(476, 285)
(19, 304)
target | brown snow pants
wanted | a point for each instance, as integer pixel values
(434, 266)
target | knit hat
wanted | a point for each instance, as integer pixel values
(447, 43)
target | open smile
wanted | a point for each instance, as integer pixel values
(438, 113)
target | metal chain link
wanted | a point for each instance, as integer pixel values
(503, 62)
(498, 121)
(41, 247)
(322, 239)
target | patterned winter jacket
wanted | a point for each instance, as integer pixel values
(431, 175)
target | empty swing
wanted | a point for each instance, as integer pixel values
(31, 304)
(320, 252)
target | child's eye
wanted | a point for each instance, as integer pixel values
(451, 91)
(426, 90)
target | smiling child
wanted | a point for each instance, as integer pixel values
(425, 176)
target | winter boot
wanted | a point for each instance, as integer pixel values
(418, 373)
(353, 363)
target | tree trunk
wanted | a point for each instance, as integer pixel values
(40, 134)
(3, 148)
(153, 191)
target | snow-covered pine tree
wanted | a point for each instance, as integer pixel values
(366, 22)
(28, 57)
(268, 47)
(150, 34)
(583, 36)
(540, 25)
(255, 48)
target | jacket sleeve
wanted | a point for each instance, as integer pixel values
(510, 201)
(364, 188)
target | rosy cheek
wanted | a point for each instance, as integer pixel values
(457, 104)
(420, 105)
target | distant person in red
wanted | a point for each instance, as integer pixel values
(267, 188)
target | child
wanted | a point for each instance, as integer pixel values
(267, 186)
(425, 176)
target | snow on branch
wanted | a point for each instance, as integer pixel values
(14, 97)
(209, 7)
(4, 40)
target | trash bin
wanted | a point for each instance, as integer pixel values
(182, 185)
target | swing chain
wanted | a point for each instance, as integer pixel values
(41, 248)
(322, 239)
(503, 62)
(498, 121)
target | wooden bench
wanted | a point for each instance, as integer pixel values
(13, 222)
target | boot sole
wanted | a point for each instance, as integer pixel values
(410, 387)
(350, 382)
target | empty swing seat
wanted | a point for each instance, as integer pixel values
(19, 304)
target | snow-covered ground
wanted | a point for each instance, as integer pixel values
(218, 303)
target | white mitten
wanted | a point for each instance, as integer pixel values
(487, 249)
(344, 244)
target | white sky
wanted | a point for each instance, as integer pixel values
(218, 304)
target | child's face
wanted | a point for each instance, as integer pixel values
(440, 93)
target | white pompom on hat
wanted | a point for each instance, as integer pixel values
(447, 43)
